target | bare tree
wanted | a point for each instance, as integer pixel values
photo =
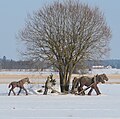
(65, 34)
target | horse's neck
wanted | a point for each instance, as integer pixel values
(97, 80)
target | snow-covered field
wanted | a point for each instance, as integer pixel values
(93, 71)
(54, 106)
(106, 71)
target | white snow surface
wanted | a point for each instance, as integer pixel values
(55, 106)
(106, 71)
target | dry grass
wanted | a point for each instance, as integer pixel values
(7, 78)
(36, 78)
(44, 76)
(110, 76)
(15, 76)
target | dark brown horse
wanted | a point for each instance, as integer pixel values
(89, 82)
(19, 84)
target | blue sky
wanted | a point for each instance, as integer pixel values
(14, 12)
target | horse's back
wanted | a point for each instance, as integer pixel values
(85, 80)
(13, 84)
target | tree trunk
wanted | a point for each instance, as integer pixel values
(65, 80)
(67, 85)
(62, 87)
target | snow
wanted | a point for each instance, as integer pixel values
(106, 71)
(55, 106)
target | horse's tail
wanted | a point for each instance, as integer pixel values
(9, 85)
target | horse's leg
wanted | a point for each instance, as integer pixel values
(89, 93)
(74, 87)
(9, 92)
(97, 90)
(80, 88)
(19, 91)
(13, 91)
(25, 90)
(46, 90)
(92, 87)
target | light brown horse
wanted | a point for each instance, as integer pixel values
(19, 84)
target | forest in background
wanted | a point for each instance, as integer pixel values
(12, 64)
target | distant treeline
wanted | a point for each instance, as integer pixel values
(114, 63)
(11, 64)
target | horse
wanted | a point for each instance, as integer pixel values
(19, 84)
(75, 83)
(50, 82)
(90, 82)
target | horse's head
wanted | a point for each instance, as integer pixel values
(102, 78)
(51, 76)
(27, 80)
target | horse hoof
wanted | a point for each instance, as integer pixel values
(99, 94)
(44, 94)
(89, 94)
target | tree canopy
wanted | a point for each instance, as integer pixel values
(64, 34)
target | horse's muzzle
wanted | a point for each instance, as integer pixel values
(103, 82)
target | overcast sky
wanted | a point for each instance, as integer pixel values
(13, 14)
